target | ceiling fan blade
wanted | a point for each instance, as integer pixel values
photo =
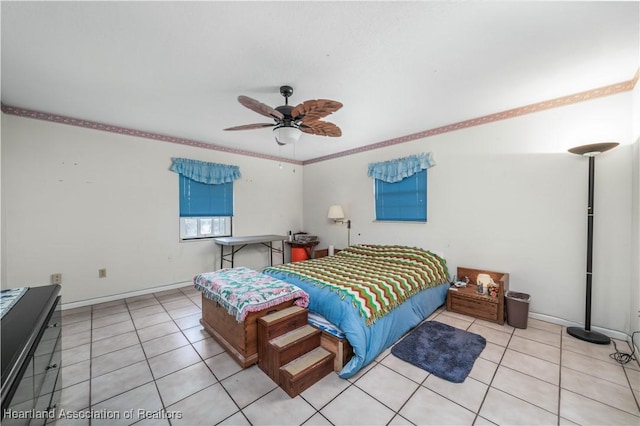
(251, 126)
(315, 109)
(321, 128)
(259, 107)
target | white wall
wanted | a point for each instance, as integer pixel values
(507, 196)
(634, 300)
(76, 200)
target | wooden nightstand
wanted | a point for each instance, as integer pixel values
(466, 300)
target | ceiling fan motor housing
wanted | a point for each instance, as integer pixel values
(288, 120)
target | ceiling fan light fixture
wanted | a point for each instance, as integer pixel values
(287, 134)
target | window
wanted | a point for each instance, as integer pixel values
(206, 197)
(400, 187)
(204, 227)
(405, 200)
(205, 209)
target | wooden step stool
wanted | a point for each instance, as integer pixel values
(272, 326)
(302, 372)
(289, 350)
(284, 349)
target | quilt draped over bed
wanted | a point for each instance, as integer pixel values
(242, 290)
(375, 279)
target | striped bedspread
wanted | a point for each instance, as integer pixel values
(375, 278)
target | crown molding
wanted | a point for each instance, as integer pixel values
(587, 95)
(61, 119)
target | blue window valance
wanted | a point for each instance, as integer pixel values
(204, 172)
(395, 170)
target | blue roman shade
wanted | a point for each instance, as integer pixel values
(395, 170)
(204, 172)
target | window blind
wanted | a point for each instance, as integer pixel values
(405, 200)
(201, 199)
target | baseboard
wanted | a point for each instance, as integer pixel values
(566, 323)
(119, 296)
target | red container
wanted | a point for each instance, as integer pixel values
(298, 254)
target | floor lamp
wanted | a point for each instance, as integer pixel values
(585, 333)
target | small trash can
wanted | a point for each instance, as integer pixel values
(517, 309)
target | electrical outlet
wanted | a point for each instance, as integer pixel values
(56, 278)
(102, 273)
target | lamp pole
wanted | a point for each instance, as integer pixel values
(585, 333)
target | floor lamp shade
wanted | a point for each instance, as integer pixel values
(585, 333)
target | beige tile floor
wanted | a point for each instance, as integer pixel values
(150, 353)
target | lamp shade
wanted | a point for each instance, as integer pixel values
(335, 212)
(593, 149)
(286, 135)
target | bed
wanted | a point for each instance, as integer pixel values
(373, 293)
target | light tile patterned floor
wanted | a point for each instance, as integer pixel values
(150, 353)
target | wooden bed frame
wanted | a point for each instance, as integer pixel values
(340, 347)
(240, 340)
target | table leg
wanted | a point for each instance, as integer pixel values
(233, 253)
(270, 253)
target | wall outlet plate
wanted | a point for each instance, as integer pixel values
(102, 273)
(56, 279)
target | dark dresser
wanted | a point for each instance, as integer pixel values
(31, 358)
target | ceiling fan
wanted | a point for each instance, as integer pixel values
(289, 121)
